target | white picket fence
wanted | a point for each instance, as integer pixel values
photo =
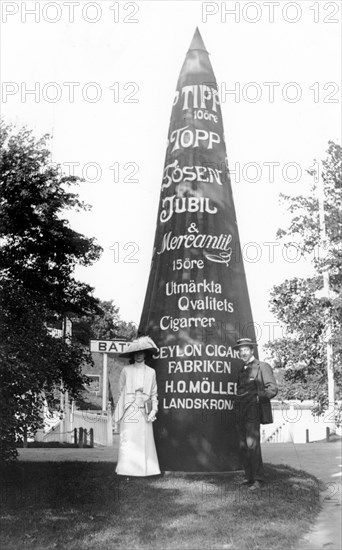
(294, 422)
(99, 421)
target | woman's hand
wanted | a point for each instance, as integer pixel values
(151, 417)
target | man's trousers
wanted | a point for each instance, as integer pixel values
(248, 430)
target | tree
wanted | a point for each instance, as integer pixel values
(37, 258)
(105, 325)
(40, 250)
(301, 351)
(127, 330)
(299, 304)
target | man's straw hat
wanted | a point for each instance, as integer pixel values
(244, 342)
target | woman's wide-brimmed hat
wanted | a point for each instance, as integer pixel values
(144, 343)
(244, 342)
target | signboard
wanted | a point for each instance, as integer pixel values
(197, 302)
(109, 346)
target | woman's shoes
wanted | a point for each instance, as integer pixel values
(256, 485)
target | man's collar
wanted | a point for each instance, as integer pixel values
(250, 360)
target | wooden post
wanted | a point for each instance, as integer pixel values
(64, 396)
(25, 438)
(327, 431)
(323, 242)
(75, 437)
(66, 437)
(291, 425)
(91, 434)
(80, 439)
(71, 420)
(109, 426)
(61, 412)
(104, 381)
(307, 436)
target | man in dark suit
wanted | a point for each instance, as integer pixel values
(256, 384)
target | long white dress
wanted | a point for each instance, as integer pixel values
(137, 450)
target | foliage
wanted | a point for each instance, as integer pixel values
(304, 228)
(38, 255)
(39, 248)
(300, 304)
(301, 350)
(105, 325)
(127, 330)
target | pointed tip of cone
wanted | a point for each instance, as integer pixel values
(197, 42)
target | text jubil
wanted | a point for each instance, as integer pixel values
(178, 205)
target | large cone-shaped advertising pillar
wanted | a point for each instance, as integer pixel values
(197, 302)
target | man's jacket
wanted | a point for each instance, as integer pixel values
(262, 373)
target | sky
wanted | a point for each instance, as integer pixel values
(104, 74)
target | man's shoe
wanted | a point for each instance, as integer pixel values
(256, 485)
(246, 482)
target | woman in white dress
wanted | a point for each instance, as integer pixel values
(136, 410)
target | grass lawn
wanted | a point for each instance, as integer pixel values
(80, 505)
